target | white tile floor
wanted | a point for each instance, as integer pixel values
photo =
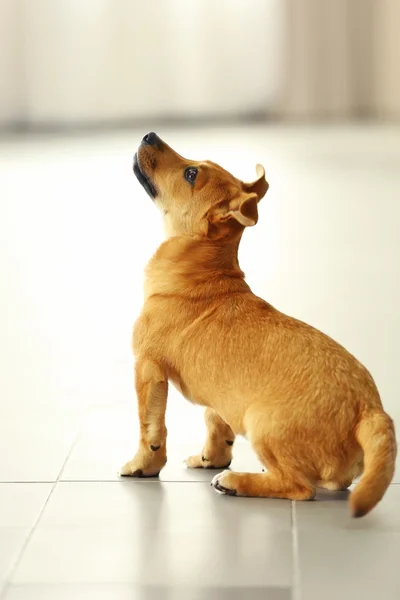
(75, 233)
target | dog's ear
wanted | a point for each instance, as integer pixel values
(259, 186)
(243, 209)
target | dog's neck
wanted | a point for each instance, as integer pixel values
(195, 267)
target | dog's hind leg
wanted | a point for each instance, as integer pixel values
(263, 485)
(152, 389)
(217, 451)
(285, 477)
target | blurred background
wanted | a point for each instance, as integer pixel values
(72, 64)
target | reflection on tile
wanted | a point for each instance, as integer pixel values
(340, 556)
(137, 592)
(94, 504)
(330, 511)
(344, 564)
(158, 534)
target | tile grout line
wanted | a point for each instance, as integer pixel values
(296, 586)
(21, 481)
(117, 480)
(14, 566)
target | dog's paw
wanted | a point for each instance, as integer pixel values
(135, 468)
(199, 461)
(224, 483)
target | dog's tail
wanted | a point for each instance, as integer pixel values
(376, 436)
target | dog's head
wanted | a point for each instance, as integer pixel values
(196, 197)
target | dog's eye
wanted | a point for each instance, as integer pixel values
(191, 174)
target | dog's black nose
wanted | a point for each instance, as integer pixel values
(151, 139)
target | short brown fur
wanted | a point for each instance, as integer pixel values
(310, 410)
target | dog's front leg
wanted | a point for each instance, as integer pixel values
(152, 390)
(217, 451)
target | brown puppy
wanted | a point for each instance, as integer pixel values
(310, 410)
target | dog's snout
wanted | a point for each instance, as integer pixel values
(151, 139)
